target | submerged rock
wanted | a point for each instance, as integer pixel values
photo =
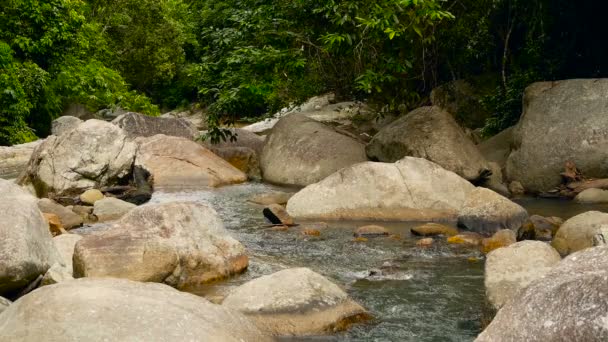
(178, 243)
(178, 163)
(371, 231)
(485, 211)
(433, 229)
(568, 304)
(99, 310)
(93, 155)
(276, 197)
(295, 301)
(433, 134)
(139, 125)
(412, 189)
(502, 238)
(301, 151)
(578, 232)
(25, 241)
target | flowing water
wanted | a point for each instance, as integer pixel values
(427, 294)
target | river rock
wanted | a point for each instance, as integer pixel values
(194, 115)
(412, 189)
(592, 195)
(371, 231)
(111, 208)
(4, 304)
(276, 197)
(561, 121)
(497, 148)
(502, 238)
(242, 158)
(276, 214)
(99, 310)
(539, 228)
(91, 196)
(25, 241)
(178, 163)
(14, 159)
(578, 232)
(93, 155)
(465, 239)
(63, 269)
(68, 218)
(433, 134)
(434, 229)
(495, 181)
(485, 211)
(301, 151)
(139, 125)
(54, 224)
(512, 268)
(244, 138)
(178, 243)
(568, 304)
(295, 301)
(64, 124)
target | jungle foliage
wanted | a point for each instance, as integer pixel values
(246, 58)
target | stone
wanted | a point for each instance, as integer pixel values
(433, 134)
(434, 229)
(500, 239)
(244, 138)
(426, 242)
(93, 155)
(55, 226)
(465, 239)
(194, 115)
(485, 211)
(301, 151)
(4, 304)
(62, 270)
(578, 232)
(276, 214)
(242, 158)
(568, 304)
(91, 196)
(512, 268)
(539, 228)
(295, 302)
(25, 241)
(177, 163)
(179, 243)
(68, 218)
(110, 208)
(139, 125)
(370, 231)
(495, 182)
(14, 159)
(64, 124)
(275, 197)
(311, 232)
(412, 189)
(592, 195)
(99, 310)
(516, 189)
(561, 121)
(497, 148)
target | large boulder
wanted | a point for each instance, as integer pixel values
(562, 121)
(178, 243)
(14, 159)
(510, 269)
(63, 269)
(485, 211)
(568, 304)
(411, 189)
(139, 125)
(94, 154)
(301, 151)
(64, 124)
(497, 148)
(244, 138)
(295, 301)
(68, 218)
(26, 244)
(121, 310)
(433, 134)
(177, 163)
(578, 232)
(242, 158)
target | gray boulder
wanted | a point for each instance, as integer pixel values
(14, 159)
(25, 241)
(568, 304)
(578, 232)
(178, 243)
(64, 124)
(432, 134)
(412, 189)
(497, 148)
(485, 211)
(139, 125)
(93, 155)
(510, 269)
(99, 310)
(295, 301)
(562, 121)
(301, 151)
(69, 219)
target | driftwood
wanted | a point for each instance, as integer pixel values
(574, 183)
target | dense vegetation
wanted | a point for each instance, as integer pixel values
(246, 58)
